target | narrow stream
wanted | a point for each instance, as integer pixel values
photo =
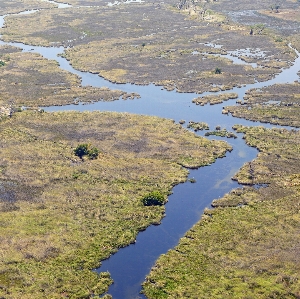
(129, 266)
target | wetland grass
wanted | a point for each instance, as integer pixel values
(248, 246)
(30, 80)
(77, 212)
(174, 60)
(278, 104)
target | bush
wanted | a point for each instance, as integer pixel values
(93, 153)
(218, 70)
(154, 198)
(81, 150)
(85, 150)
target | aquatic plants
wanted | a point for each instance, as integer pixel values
(198, 126)
(221, 133)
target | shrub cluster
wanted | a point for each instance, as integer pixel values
(154, 198)
(85, 149)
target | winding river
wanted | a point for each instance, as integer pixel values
(129, 266)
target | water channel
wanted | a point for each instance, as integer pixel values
(129, 266)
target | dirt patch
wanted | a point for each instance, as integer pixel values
(253, 12)
(285, 14)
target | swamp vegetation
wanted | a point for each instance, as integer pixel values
(134, 38)
(61, 215)
(30, 80)
(248, 245)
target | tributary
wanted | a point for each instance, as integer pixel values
(129, 266)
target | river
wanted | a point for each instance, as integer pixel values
(129, 266)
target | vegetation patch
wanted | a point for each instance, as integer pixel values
(277, 104)
(132, 38)
(30, 80)
(154, 198)
(198, 126)
(8, 7)
(247, 247)
(60, 215)
(221, 133)
(215, 99)
(85, 149)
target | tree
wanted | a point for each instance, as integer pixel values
(218, 70)
(93, 153)
(85, 149)
(154, 198)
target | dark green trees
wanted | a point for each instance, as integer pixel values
(154, 198)
(85, 149)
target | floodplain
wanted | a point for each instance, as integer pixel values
(61, 215)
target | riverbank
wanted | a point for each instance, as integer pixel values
(61, 215)
(243, 58)
(248, 246)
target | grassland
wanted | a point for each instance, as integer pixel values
(61, 215)
(8, 7)
(285, 14)
(248, 246)
(277, 104)
(28, 79)
(170, 44)
(215, 99)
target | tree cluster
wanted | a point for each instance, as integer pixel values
(85, 149)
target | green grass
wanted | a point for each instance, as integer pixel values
(247, 247)
(61, 215)
(30, 80)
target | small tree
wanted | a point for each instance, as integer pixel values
(218, 70)
(81, 150)
(93, 153)
(85, 149)
(154, 198)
